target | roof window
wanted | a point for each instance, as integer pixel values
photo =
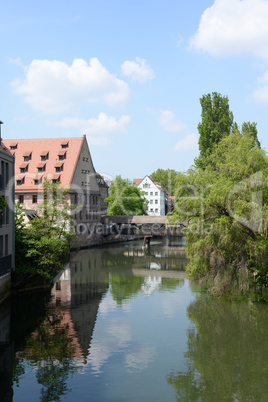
(44, 155)
(13, 146)
(59, 167)
(64, 145)
(27, 156)
(62, 155)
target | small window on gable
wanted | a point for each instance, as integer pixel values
(27, 156)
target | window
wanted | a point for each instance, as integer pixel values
(37, 181)
(24, 167)
(59, 168)
(21, 199)
(151, 210)
(146, 185)
(27, 156)
(44, 156)
(85, 171)
(34, 198)
(146, 193)
(41, 169)
(64, 145)
(156, 201)
(156, 193)
(151, 201)
(20, 182)
(13, 146)
(85, 159)
(156, 209)
(62, 155)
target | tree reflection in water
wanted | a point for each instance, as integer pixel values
(227, 353)
(53, 351)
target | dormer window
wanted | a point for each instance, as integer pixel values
(62, 155)
(20, 181)
(27, 156)
(37, 180)
(58, 167)
(44, 155)
(41, 167)
(64, 145)
(24, 167)
(55, 178)
(13, 146)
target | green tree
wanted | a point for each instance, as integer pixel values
(125, 198)
(217, 122)
(225, 207)
(166, 177)
(46, 239)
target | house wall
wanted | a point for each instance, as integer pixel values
(7, 249)
(155, 197)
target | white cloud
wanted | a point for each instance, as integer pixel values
(54, 87)
(169, 122)
(190, 142)
(232, 27)
(137, 70)
(101, 125)
(261, 94)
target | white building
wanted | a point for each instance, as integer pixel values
(159, 199)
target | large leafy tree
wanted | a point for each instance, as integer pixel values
(217, 122)
(167, 177)
(43, 243)
(225, 207)
(125, 198)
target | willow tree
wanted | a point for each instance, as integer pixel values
(226, 208)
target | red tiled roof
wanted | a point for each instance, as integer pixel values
(52, 146)
(137, 181)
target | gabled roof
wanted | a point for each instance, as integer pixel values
(38, 147)
(4, 148)
(137, 181)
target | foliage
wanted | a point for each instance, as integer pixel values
(166, 177)
(2, 203)
(46, 239)
(226, 211)
(125, 198)
(217, 365)
(49, 350)
(217, 122)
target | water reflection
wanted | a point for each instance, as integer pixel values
(227, 355)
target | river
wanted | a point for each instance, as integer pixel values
(124, 324)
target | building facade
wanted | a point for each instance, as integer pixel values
(64, 160)
(7, 225)
(159, 199)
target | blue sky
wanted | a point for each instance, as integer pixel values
(129, 74)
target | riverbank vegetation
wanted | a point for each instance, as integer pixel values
(43, 244)
(223, 201)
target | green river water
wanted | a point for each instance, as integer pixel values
(124, 324)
